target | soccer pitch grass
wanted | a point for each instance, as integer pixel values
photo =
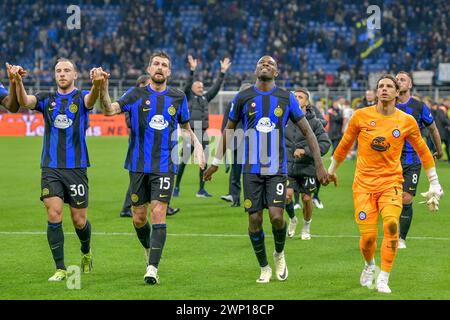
(208, 254)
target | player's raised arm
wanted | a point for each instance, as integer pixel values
(98, 78)
(108, 108)
(24, 100)
(10, 101)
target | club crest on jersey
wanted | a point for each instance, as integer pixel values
(73, 108)
(158, 122)
(362, 215)
(278, 111)
(396, 133)
(172, 110)
(45, 192)
(265, 125)
(62, 121)
(380, 144)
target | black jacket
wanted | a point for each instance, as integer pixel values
(304, 166)
(198, 105)
(336, 121)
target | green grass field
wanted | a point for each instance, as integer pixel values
(208, 254)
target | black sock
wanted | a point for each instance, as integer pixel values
(181, 167)
(85, 237)
(202, 183)
(290, 210)
(55, 237)
(259, 247)
(159, 232)
(405, 220)
(279, 236)
(143, 234)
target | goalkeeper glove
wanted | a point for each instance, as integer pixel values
(432, 197)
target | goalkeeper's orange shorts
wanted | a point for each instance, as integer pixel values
(367, 205)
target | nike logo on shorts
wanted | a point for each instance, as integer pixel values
(80, 202)
(277, 201)
(163, 195)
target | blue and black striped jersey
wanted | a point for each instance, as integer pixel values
(422, 114)
(3, 92)
(66, 120)
(264, 116)
(154, 118)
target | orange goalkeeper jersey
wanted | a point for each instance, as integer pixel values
(380, 142)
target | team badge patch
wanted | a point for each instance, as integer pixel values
(147, 102)
(172, 110)
(247, 203)
(73, 107)
(396, 133)
(253, 105)
(45, 192)
(134, 197)
(362, 215)
(278, 111)
(373, 123)
(53, 104)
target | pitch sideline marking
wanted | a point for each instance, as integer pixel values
(198, 235)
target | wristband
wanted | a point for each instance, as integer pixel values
(216, 162)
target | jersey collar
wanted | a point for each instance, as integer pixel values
(157, 92)
(264, 92)
(67, 94)
(406, 103)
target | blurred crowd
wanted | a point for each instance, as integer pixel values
(415, 33)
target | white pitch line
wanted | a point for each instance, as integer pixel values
(218, 235)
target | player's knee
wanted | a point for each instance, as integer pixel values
(277, 221)
(139, 216)
(306, 197)
(79, 222)
(407, 198)
(390, 226)
(54, 213)
(159, 210)
(369, 239)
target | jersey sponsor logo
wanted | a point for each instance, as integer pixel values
(396, 133)
(380, 144)
(62, 121)
(265, 125)
(172, 110)
(134, 197)
(73, 108)
(247, 204)
(158, 122)
(278, 111)
(362, 215)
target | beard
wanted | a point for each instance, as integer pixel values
(65, 85)
(160, 80)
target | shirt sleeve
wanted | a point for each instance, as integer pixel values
(415, 139)
(183, 113)
(126, 100)
(426, 116)
(295, 112)
(236, 109)
(3, 92)
(40, 102)
(346, 143)
(84, 93)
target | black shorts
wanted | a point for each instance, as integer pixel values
(302, 184)
(146, 187)
(411, 175)
(71, 185)
(263, 191)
